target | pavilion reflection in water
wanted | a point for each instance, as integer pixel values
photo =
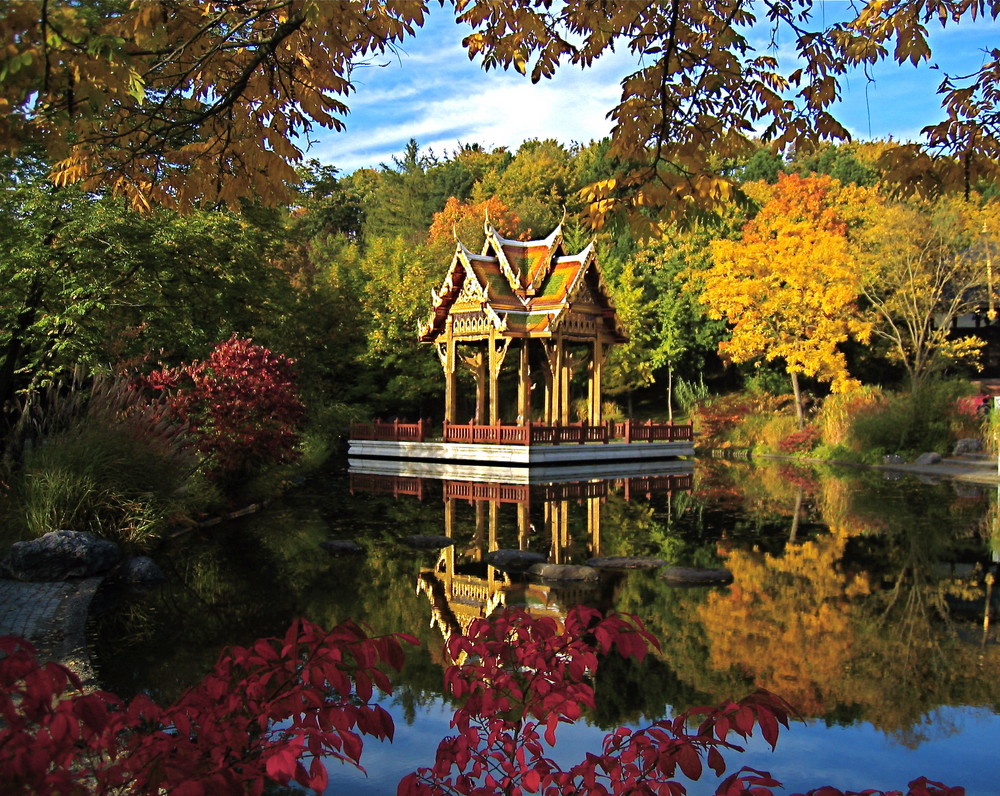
(462, 586)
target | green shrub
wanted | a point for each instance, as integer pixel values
(909, 423)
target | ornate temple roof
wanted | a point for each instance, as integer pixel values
(524, 289)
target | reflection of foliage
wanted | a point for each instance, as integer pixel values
(671, 614)
(787, 620)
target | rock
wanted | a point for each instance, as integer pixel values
(515, 561)
(928, 458)
(626, 562)
(563, 572)
(59, 555)
(142, 573)
(341, 547)
(893, 458)
(690, 576)
(428, 541)
(967, 445)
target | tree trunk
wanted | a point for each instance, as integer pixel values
(670, 393)
(798, 400)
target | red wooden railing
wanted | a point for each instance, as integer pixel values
(528, 434)
(393, 431)
(572, 433)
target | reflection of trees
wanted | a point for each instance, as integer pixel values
(787, 622)
(236, 582)
(672, 615)
(919, 653)
(802, 623)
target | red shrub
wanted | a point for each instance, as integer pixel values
(800, 441)
(241, 404)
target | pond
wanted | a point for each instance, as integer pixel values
(861, 599)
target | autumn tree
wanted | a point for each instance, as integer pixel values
(924, 265)
(702, 94)
(789, 287)
(170, 102)
(173, 101)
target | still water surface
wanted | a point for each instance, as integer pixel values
(859, 599)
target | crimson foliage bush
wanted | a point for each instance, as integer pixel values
(241, 404)
(270, 713)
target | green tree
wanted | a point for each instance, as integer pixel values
(535, 185)
(86, 281)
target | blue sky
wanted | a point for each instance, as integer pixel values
(432, 92)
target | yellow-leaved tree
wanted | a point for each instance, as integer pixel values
(789, 287)
(176, 101)
(925, 265)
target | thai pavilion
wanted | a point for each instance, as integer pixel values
(551, 307)
(550, 312)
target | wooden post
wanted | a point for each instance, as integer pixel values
(524, 385)
(476, 363)
(596, 373)
(559, 391)
(496, 358)
(447, 357)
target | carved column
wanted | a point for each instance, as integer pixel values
(558, 379)
(476, 363)
(446, 354)
(596, 374)
(496, 358)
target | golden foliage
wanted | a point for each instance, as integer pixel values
(788, 621)
(174, 101)
(788, 288)
(702, 95)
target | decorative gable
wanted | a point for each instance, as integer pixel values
(524, 289)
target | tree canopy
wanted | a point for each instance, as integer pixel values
(174, 102)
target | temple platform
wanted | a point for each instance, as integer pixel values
(583, 456)
(583, 468)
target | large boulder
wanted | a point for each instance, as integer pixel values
(626, 562)
(563, 572)
(59, 555)
(692, 576)
(931, 457)
(338, 547)
(422, 541)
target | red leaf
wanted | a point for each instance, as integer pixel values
(281, 764)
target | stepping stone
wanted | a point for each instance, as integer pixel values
(341, 547)
(563, 572)
(515, 561)
(690, 576)
(428, 541)
(626, 562)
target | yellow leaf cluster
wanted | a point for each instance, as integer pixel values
(178, 102)
(789, 286)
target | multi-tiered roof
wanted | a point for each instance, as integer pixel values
(524, 289)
